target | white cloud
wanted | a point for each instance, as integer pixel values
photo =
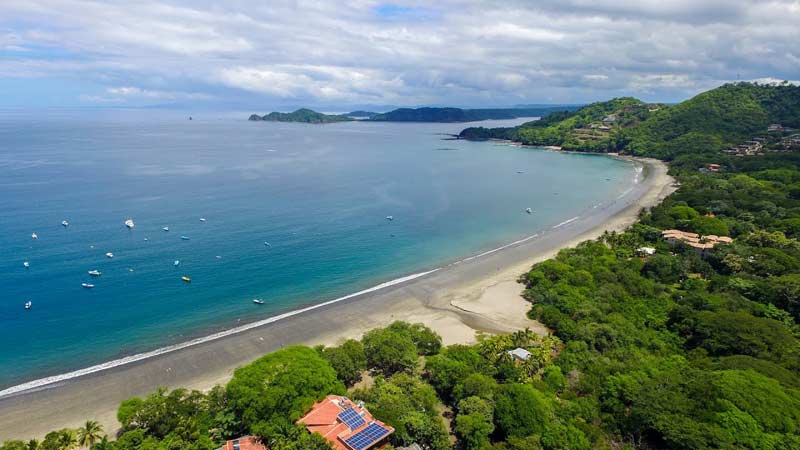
(352, 51)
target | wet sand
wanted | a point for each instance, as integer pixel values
(475, 295)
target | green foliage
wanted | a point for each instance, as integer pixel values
(390, 350)
(301, 115)
(348, 360)
(521, 410)
(271, 393)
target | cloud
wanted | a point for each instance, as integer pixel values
(459, 52)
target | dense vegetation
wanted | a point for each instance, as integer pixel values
(704, 124)
(674, 350)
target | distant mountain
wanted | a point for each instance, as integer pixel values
(414, 115)
(708, 122)
(463, 115)
(303, 115)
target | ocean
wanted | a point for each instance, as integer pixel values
(294, 214)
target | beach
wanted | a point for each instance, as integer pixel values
(476, 294)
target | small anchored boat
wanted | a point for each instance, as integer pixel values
(129, 223)
(34, 236)
(528, 210)
(202, 219)
(267, 244)
(177, 263)
(186, 279)
(165, 228)
(95, 273)
(258, 301)
(26, 264)
(389, 217)
(109, 255)
(65, 223)
(28, 305)
(184, 238)
(87, 285)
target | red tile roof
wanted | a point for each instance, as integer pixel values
(323, 419)
(244, 443)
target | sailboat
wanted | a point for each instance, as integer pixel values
(34, 236)
(28, 304)
(177, 263)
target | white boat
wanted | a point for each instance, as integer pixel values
(528, 210)
(87, 285)
(26, 264)
(109, 255)
(218, 257)
(202, 219)
(389, 217)
(146, 239)
(184, 238)
(258, 301)
(95, 273)
(176, 263)
(65, 223)
(129, 223)
(28, 305)
(165, 228)
(34, 236)
(267, 244)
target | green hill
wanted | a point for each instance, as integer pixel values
(464, 115)
(303, 115)
(707, 122)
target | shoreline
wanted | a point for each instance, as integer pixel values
(475, 294)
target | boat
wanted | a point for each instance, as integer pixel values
(87, 285)
(95, 273)
(129, 223)
(528, 210)
(34, 236)
(26, 264)
(109, 255)
(218, 257)
(146, 239)
(165, 228)
(267, 244)
(186, 279)
(258, 301)
(202, 219)
(389, 217)
(184, 238)
(177, 263)
(28, 305)
(65, 223)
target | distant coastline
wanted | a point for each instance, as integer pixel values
(437, 115)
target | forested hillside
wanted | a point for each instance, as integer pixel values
(707, 122)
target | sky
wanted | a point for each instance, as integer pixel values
(341, 54)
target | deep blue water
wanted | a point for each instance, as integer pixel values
(318, 194)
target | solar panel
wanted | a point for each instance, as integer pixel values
(367, 437)
(351, 418)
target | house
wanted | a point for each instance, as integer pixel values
(775, 127)
(243, 443)
(713, 167)
(347, 425)
(520, 354)
(609, 119)
(645, 251)
(413, 446)
(701, 244)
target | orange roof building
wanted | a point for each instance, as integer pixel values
(243, 443)
(694, 240)
(345, 424)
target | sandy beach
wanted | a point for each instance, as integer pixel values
(472, 295)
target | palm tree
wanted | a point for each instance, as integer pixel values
(67, 440)
(33, 444)
(89, 433)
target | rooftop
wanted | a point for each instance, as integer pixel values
(520, 354)
(345, 424)
(243, 443)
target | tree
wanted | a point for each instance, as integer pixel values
(389, 351)
(521, 410)
(89, 433)
(271, 393)
(298, 438)
(427, 341)
(348, 360)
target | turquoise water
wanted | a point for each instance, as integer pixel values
(318, 194)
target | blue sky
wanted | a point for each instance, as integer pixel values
(334, 55)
